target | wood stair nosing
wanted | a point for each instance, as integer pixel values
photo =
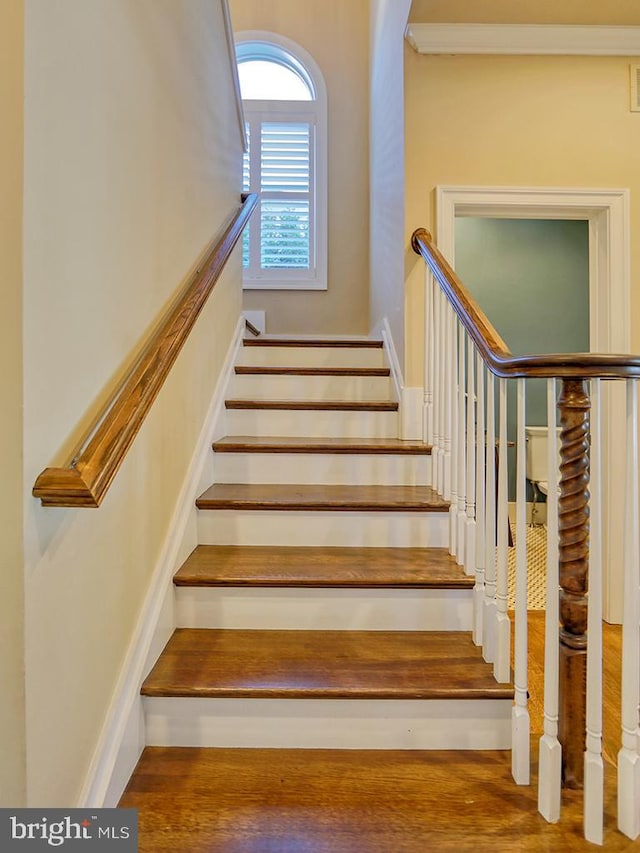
(342, 446)
(269, 370)
(338, 343)
(328, 498)
(298, 664)
(315, 405)
(321, 567)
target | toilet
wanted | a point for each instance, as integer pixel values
(537, 470)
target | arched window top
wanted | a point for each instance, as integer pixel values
(285, 108)
(272, 67)
(269, 72)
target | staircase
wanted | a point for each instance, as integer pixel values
(321, 609)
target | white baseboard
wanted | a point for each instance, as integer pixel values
(123, 735)
(411, 399)
(394, 361)
(411, 414)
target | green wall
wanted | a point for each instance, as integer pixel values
(531, 278)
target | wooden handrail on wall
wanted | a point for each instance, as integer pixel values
(494, 350)
(85, 482)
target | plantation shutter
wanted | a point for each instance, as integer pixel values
(279, 164)
(285, 191)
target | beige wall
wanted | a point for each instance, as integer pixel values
(132, 164)
(12, 737)
(515, 121)
(613, 12)
(388, 22)
(336, 35)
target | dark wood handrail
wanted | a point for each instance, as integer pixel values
(494, 351)
(86, 481)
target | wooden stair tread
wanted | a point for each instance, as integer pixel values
(218, 663)
(289, 444)
(316, 405)
(262, 370)
(338, 343)
(321, 497)
(281, 566)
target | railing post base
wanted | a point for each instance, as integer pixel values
(572, 717)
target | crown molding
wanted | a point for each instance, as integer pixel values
(531, 39)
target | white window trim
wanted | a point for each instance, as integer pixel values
(315, 278)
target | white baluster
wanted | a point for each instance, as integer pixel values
(470, 533)
(550, 773)
(479, 589)
(520, 715)
(437, 367)
(629, 757)
(429, 349)
(501, 665)
(453, 505)
(489, 618)
(442, 379)
(462, 437)
(450, 319)
(593, 764)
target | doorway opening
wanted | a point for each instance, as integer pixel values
(606, 213)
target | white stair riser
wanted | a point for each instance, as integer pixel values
(325, 609)
(313, 356)
(373, 529)
(323, 468)
(264, 387)
(312, 424)
(329, 723)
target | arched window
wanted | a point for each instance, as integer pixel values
(284, 98)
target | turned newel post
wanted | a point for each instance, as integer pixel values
(573, 527)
